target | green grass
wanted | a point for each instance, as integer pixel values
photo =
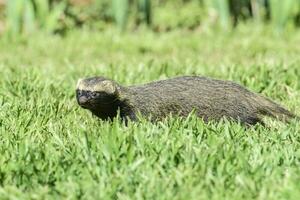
(50, 148)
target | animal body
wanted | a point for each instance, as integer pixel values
(210, 99)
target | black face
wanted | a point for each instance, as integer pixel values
(94, 100)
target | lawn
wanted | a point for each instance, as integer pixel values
(50, 148)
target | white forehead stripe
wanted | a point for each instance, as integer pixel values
(104, 86)
(81, 85)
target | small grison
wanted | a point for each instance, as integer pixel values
(209, 98)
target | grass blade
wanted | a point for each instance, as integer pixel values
(28, 17)
(145, 9)
(120, 12)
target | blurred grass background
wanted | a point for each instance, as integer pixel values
(50, 148)
(58, 16)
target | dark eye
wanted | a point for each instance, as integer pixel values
(93, 94)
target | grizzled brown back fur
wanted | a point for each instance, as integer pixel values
(210, 99)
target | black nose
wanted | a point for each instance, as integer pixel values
(83, 100)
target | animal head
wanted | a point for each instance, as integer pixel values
(95, 92)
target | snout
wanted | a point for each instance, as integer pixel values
(83, 100)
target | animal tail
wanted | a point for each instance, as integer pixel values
(272, 109)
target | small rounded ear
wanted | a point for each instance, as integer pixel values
(109, 87)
